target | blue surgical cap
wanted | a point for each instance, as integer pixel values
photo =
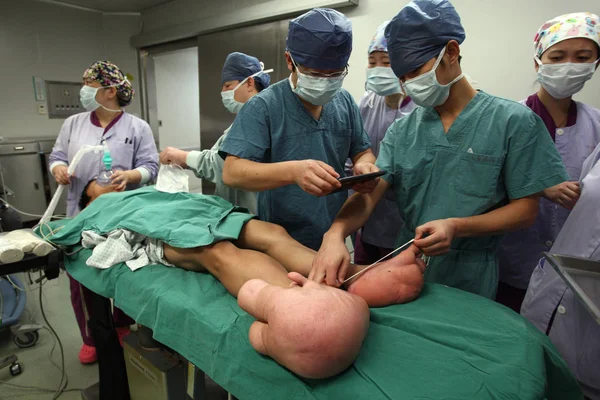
(320, 39)
(419, 33)
(239, 66)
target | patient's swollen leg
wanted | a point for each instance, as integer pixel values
(397, 280)
(274, 241)
(230, 265)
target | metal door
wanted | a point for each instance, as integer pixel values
(21, 178)
(265, 42)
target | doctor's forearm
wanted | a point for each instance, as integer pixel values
(206, 164)
(519, 214)
(256, 177)
(366, 156)
(135, 176)
(356, 211)
(350, 219)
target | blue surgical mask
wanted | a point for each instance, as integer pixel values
(87, 96)
(317, 90)
(426, 91)
(382, 81)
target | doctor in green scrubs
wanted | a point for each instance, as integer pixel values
(465, 166)
(242, 77)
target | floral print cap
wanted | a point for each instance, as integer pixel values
(578, 25)
(108, 74)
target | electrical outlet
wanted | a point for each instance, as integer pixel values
(42, 109)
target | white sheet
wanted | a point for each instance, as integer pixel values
(121, 245)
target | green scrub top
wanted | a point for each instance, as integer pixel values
(274, 126)
(496, 150)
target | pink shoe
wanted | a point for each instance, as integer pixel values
(87, 354)
(122, 332)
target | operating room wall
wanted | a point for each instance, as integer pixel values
(498, 50)
(55, 43)
(180, 12)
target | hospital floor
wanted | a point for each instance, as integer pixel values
(36, 362)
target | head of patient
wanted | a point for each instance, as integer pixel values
(92, 191)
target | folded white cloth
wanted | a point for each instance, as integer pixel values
(15, 244)
(10, 252)
(121, 245)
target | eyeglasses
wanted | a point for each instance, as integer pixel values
(314, 74)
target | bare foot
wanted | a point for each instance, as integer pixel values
(394, 281)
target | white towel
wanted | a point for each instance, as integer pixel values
(10, 252)
(121, 245)
(28, 242)
(15, 244)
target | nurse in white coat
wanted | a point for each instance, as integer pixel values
(129, 139)
(134, 159)
(552, 307)
(567, 52)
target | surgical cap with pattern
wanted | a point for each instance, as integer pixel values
(108, 74)
(569, 26)
(379, 42)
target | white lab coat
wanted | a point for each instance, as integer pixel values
(552, 307)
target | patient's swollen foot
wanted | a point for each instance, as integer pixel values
(398, 280)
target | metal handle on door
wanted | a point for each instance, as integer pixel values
(19, 147)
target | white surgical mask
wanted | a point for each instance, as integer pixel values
(228, 96)
(317, 90)
(565, 79)
(426, 91)
(382, 81)
(229, 101)
(87, 96)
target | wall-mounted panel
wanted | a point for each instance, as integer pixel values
(63, 99)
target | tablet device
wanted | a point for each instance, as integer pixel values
(349, 181)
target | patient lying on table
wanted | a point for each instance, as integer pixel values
(261, 251)
(314, 330)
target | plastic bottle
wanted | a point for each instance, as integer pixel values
(104, 176)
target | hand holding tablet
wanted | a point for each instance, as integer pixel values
(349, 181)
